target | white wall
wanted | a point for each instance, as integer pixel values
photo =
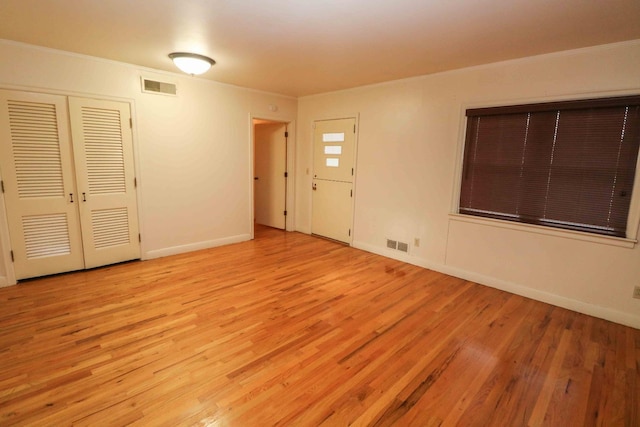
(193, 151)
(410, 134)
(193, 161)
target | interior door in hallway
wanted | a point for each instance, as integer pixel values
(270, 183)
(103, 150)
(333, 174)
(39, 184)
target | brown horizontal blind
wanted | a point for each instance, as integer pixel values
(568, 165)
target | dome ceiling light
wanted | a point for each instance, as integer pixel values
(192, 63)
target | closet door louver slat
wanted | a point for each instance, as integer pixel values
(46, 235)
(110, 227)
(36, 149)
(104, 151)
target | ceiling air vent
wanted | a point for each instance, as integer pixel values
(162, 88)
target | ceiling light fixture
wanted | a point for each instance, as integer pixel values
(192, 63)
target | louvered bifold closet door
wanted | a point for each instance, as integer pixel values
(37, 171)
(103, 150)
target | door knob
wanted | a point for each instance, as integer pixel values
(313, 187)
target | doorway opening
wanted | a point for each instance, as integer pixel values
(270, 175)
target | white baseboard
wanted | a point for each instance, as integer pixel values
(175, 250)
(4, 282)
(514, 288)
(303, 230)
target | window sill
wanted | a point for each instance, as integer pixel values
(538, 229)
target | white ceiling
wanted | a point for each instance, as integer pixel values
(302, 47)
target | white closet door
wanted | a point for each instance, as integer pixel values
(103, 151)
(37, 170)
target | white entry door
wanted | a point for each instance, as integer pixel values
(333, 172)
(70, 205)
(270, 174)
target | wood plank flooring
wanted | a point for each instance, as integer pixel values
(292, 330)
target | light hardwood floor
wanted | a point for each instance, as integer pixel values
(289, 329)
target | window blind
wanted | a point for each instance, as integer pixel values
(564, 164)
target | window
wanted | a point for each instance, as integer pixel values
(568, 164)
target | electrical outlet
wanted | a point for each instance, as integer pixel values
(416, 242)
(636, 292)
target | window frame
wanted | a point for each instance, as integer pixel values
(633, 221)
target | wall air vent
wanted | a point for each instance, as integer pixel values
(398, 245)
(161, 88)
